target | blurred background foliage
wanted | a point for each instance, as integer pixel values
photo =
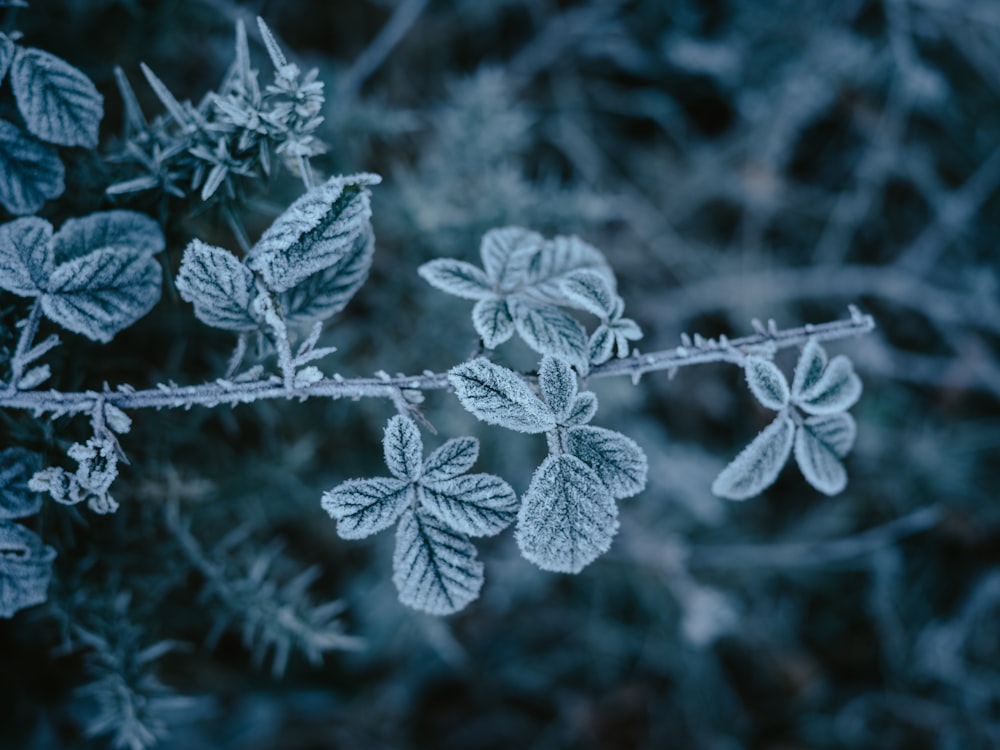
(734, 160)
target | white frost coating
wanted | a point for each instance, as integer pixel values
(316, 232)
(809, 368)
(30, 171)
(758, 465)
(558, 385)
(767, 382)
(435, 568)
(498, 396)
(219, 286)
(506, 253)
(819, 445)
(590, 291)
(455, 457)
(120, 229)
(567, 517)
(456, 277)
(837, 389)
(363, 507)
(403, 448)
(26, 261)
(617, 459)
(583, 410)
(473, 504)
(549, 330)
(492, 320)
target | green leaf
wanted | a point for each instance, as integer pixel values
(25, 256)
(59, 104)
(473, 504)
(498, 396)
(766, 382)
(315, 233)
(567, 517)
(363, 507)
(101, 293)
(221, 288)
(30, 171)
(820, 443)
(17, 466)
(25, 569)
(435, 569)
(492, 321)
(757, 465)
(403, 448)
(615, 458)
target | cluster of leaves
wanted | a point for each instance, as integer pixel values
(59, 106)
(523, 284)
(215, 149)
(823, 390)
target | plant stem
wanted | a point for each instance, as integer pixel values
(24, 343)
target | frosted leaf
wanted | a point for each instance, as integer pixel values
(557, 382)
(25, 256)
(766, 382)
(559, 258)
(583, 410)
(615, 458)
(492, 321)
(819, 445)
(809, 368)
(549, 330)
(59, 103)
(125, 230)
(30, 171)
(456, 277)
(403, 448)
(591, 292)
(97, 461)
(363, 507)
(625, 330)
(116, 419)
(758, 465)
(34, 377)
(451, 459)
(498, 396)
(17, 500)
(219, 286)
(7, 50)
(506, 253)
(316, 232)
(601, 345)
(435, 569)
(567, 517)
(837, 389)
(25, 568)
(474, 504)
(326, 293)
(103, 292)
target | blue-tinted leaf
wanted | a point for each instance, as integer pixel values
(757, 465)
(589, 291)
(492, 320)
(326, 293)
(625, 330)
(435, 568)
(557, 260)
(315, 233)
(498, 396)
(557, 382)
(453, 458)
(125, 230)
(30, 171)
(474, 504)
(820, 443)
(766, 382)
(25, 568)
(549, 330)
(103, 292)
(403, 448)
(567, 517)
(583, 410)
(601, 345)
(17, 466)
(7, 50)
(59, 104)
(615, 458)
(221, 288)
(456, 277)
(809, 368)
(25, 256)
(837, 389)
(363, 507)
(506, 253)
